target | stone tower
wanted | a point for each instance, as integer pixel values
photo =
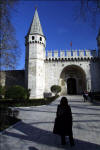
(98, 42)
(35, 55)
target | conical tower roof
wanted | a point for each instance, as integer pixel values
(35, 27)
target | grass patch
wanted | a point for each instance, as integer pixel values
(6, 117)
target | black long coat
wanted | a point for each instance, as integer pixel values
(63, 121)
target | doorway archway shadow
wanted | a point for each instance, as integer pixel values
(71, 86)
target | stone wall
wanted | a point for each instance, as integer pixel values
(54, 68)
(35, 67)
(13, 77)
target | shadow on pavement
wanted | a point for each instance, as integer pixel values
(35, 110)
(33, 148)
(86, 107)
(31, 133)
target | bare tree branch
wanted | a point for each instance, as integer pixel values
(88, 11)
(9, 50)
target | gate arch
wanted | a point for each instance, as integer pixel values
(71, 86)
(72, 80)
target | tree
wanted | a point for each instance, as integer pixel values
(9, 51)
(88, 11)
(55, 89)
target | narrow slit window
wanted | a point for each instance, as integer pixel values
(33, 37)
(40, 38)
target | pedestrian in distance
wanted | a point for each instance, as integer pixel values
(63, 122)
(85, 96)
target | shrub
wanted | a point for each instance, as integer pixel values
(16, 92)
(55, 89)
(8, 117)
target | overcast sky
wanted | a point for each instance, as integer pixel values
(58, 24)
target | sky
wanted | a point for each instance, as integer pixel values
(58, 23)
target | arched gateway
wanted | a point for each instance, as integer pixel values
(74, 70)
(72, 80)
(71, 86)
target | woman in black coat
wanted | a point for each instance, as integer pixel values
(63, 122)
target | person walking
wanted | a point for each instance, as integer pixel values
(63, 122)
(85, 96)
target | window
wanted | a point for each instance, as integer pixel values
(40, 38)
(33, 37)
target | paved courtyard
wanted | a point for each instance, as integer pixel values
(34, 132)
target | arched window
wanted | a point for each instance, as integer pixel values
(33, 37)
(40, 38)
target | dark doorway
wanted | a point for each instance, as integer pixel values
(71, 86)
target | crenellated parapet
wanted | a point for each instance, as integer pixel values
(71, 54)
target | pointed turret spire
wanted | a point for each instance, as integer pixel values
(35, 25)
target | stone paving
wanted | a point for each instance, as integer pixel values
(34, 132)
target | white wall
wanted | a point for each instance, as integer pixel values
(53, 71)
